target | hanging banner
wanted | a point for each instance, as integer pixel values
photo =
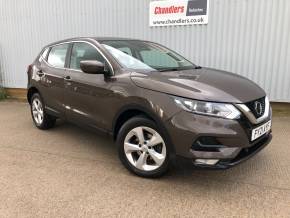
(178, 12)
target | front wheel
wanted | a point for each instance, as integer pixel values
(143, 148)
(41, 119)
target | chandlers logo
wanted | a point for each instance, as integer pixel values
(169, 10)
(178, 12)
(193, 8)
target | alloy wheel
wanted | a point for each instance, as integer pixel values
(144, 148)
(37, 111)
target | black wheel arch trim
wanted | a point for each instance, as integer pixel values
(30, 92)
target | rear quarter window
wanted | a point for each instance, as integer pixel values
(43, 54)
(57, 55)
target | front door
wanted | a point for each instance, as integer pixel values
(86, 95)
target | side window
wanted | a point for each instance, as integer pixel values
(57, 55)
(83, 51)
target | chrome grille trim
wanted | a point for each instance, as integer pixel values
(248, 113)
(252, 105)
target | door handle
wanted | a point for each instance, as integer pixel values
(40, 73)
(67, 78)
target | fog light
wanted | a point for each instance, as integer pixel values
(207, 143)
(206, 161)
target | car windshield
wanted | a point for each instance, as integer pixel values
(140, 55)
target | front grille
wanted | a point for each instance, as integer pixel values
(257, 107)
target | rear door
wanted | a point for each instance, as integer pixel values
(52, 72)
(86, 95)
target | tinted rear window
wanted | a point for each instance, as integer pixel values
(57, 55)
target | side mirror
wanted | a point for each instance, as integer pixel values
(92, 67)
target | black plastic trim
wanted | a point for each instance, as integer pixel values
(226, 164)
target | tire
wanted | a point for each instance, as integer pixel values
(154, 152)
(41, 119)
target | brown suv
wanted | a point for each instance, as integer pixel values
(156, 104)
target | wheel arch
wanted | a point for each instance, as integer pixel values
(131, 111)
(127, 113)
(32, 90)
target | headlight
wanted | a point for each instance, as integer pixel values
(208, 108)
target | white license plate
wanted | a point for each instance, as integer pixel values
(261, 130)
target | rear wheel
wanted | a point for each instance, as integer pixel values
(41, 119)
(143, 148)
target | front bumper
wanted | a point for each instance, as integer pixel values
(243, 155)
(233, 137)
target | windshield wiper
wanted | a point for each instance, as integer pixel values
(178, 69)
(169, 69)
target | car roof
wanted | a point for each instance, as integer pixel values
(114, 39)
(99, 39)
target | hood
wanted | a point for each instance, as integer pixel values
(201, 84)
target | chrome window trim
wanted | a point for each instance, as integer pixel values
(248, 113)
(41, 56)
(76, 41)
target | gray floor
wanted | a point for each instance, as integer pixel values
(69, 172)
